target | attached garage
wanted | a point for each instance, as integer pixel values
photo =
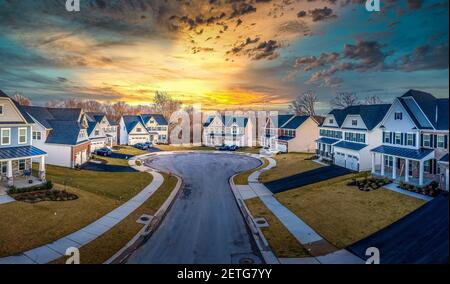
(350, 162)
(339, 159)
(138, 139)
(282, 147)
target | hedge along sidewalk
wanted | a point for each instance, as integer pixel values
(55, 250)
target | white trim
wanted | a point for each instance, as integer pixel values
(389, 112)
(17, 110)
(1, 136)
(18, 135)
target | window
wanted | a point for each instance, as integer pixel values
(96, 132)
(6, 136)
(398, 116)
(22, 135)
(234, 130)
(4, 167)
(354, 122)
(426, 140)
(138, 129)
(37, 135)
(410, 139)
(22, 164)
(331, 121)
(387, 137)
(398, 138)
(427, 166)
(389, 161)
(441, 141)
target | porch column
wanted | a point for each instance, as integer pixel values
(394, 167)
(382, 164)
(9, 173)
(421, 169)
(406, 170)
(373, 162)
(42, 168)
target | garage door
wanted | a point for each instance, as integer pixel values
(282, 148)
(352, 163)
(339, 159)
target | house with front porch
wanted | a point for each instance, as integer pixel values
(143, 128)
(414, 146)
(347, 135)
(16, 147)
(214, 131)
(62, 133)
(296, 133)
(239, 131)
(107, 126)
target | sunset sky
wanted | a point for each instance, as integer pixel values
(222, 53)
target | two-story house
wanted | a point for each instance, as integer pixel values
(143, 128)
(230, 130)
(62, 133)
(109, 128)
(97, 136)
(291, 133)
(214, 131)
(347, 135)
(415, 140)
(16, 146)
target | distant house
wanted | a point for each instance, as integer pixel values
(347, 135)
(16, 146)
(228, 130)
(414, 141)
(97, 136)
(62, 133)
(290, 133)
(109, 127)
(143, 128)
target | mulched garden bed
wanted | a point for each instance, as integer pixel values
(369, 184)
(430, 190)
(45, 195)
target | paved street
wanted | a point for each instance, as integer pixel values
(205, 224)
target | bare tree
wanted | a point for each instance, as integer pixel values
(21, 100)
(344, 99)
(304, 104)
(373, 100)
(165, 105)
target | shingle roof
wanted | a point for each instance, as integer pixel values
(241, 121)
(20, 152)
(403, 152)
(159, 118)
(444, 159)
(63, 123)
(326, 140)
(350, 145)
(285, 138)
(435, 109)
(372, 115)
(295, 122)
(282, 119)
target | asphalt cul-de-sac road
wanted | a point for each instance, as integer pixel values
(204, 224)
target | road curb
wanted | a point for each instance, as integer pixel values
(147, 231)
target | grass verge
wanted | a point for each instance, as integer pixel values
(288, 165)
(281, 241)
(242, 178)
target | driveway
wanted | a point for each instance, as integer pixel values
(204, 225)
(420, 237)
(305, 178)
(107, 168)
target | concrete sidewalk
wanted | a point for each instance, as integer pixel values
(394, 187)
(53, 251)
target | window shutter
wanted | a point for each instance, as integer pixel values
(421, 139)
(414, 140)
(434, 141)
(390, 137)
(401, 138)
(445, 141)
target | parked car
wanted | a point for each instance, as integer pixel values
(224, 148)
(141, 146)
(105, 152)
(233, 148)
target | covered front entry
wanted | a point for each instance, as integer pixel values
(16, 167)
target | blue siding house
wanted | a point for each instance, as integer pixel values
(16, 149)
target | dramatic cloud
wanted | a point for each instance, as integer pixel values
(425, 57)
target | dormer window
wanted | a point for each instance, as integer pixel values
(398, 116)
(354, 122)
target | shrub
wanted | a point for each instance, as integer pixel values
(49, 184)
(138, 163)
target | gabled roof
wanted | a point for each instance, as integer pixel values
(98, 116)
(211, 118)
(282, 119)
(295, 122)
(91, 127)
(131, 121)
(27, 118)
(444, 159)
(159, 118)
(426, 109)
(64, 123)
(241, 121)
(372, 115)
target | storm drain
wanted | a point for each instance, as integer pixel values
(261, 222)
(245, 258)
(144, 219)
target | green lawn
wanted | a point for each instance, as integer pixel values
(280, 240)
(251, 150)
(32, 225)
(242, 178)
(128, 150)
(287, 165)
(343, 214)
(101, 249)
(112, 161)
